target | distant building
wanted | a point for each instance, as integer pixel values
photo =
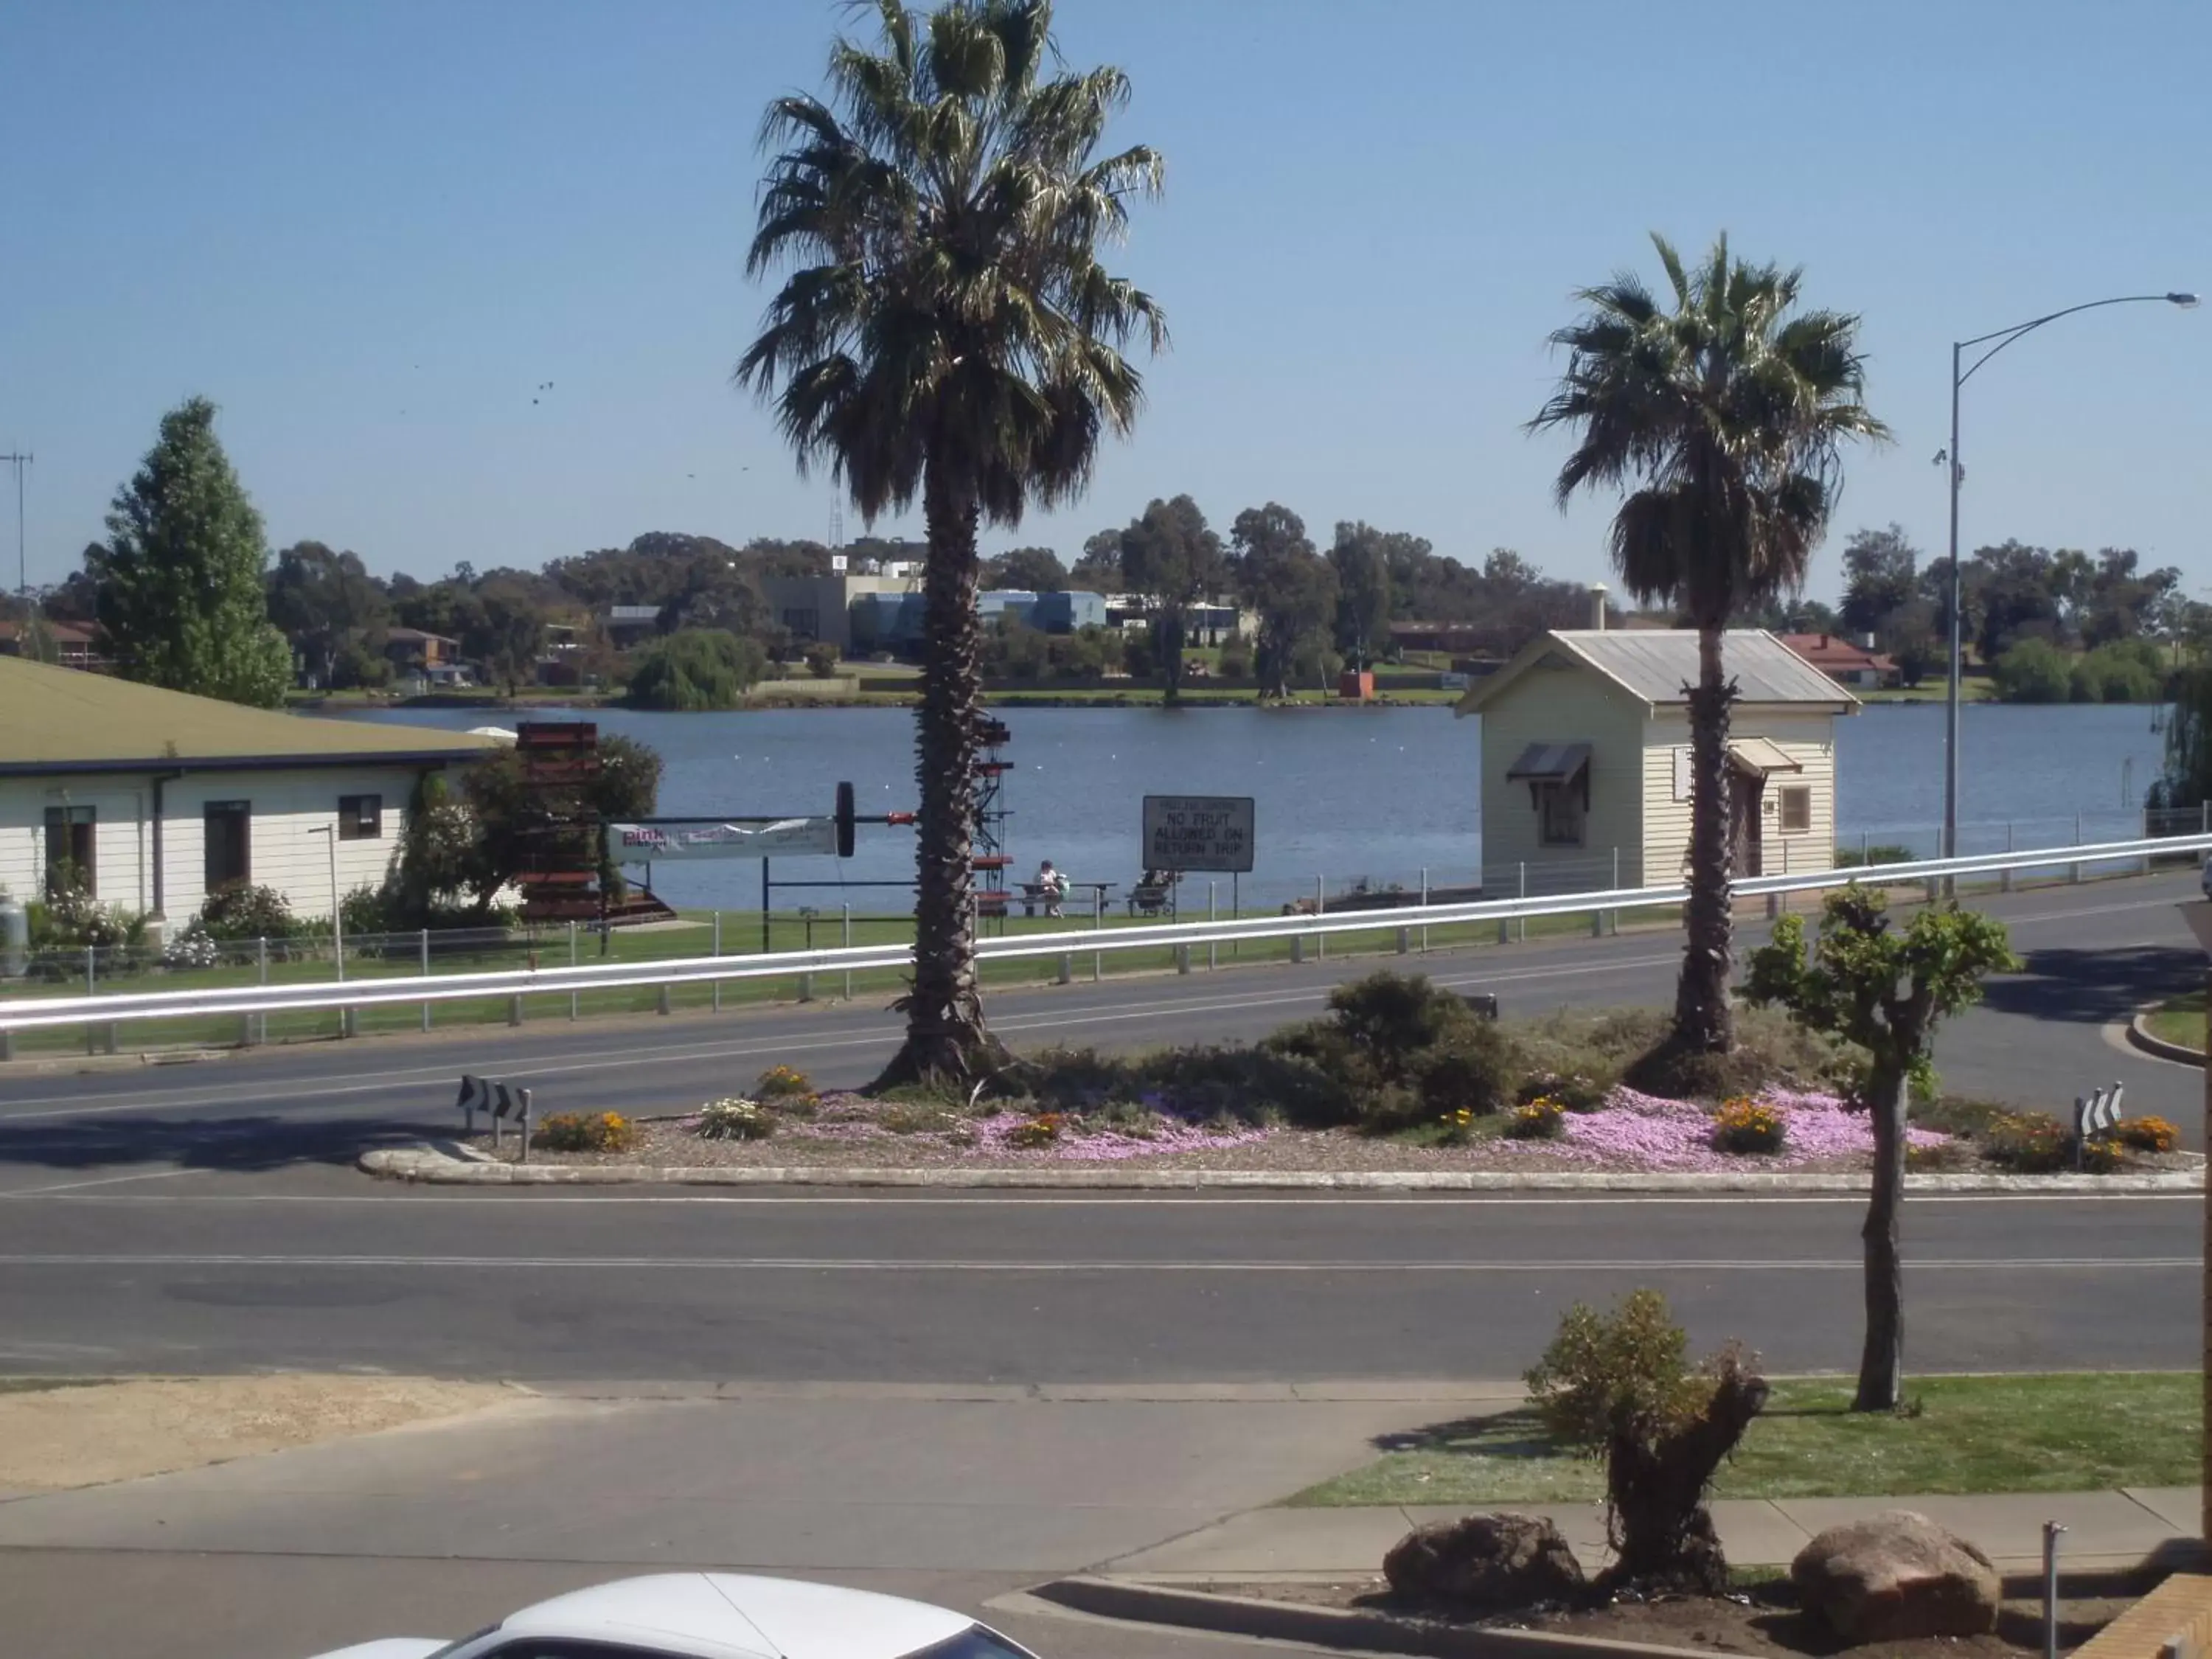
(1063, 612)
(75, 645)
(1586, 757)
(626, 625)
(1846, 663)
(156, 798)
(811, 608)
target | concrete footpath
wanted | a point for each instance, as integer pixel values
(2104, 1531)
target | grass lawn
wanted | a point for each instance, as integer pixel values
(2179, 1019)
(2088, 1432)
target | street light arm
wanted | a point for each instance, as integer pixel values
(2005, 336)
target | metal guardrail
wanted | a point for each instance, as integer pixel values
(41, 1013)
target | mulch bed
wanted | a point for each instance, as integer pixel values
(1763, 1620)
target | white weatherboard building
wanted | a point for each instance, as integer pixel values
(1586, 758)
(156, 798)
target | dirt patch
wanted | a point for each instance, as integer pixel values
(1763, 1621)
(54, 1438)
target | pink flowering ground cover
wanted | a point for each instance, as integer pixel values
(1640, 1131)
(1079, 1144)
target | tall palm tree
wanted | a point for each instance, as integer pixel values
(946, 330)
(1725, 419)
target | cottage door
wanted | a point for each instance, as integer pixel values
(1744, 792)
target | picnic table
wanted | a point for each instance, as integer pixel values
(1035, 894)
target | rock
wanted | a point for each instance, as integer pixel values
(1894, 1577)
(1483, 1561)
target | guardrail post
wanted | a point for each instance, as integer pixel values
(348, 1022)
(573, 1010)
(2073, 871)
(91, 988)
(2004, 881)
(1597, 924)
(1182, 958)
(1297, 949)
(807, 987)
(845, 921)
(261, 1021)
(425, 944)
(718, 950)
(1097, 922)
(663, 1005)
(1504, 930)
(1320, 908)
(1424, 905)
(525, 1095)
(1405, 940)
(1523, 893)
(108, 1042)
(514, 1009)
(1067, 970)
(1212, 962)
(7, 1045)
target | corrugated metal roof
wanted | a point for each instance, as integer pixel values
(1555, 762)
(61, 720)
(1658, 663)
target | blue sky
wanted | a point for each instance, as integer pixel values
(370, 231)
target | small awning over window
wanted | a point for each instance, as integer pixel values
(1760, 756)
(1549, 762)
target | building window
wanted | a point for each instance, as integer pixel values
(1561, 812)
(1796, 800)
(70, 849)
(361, 817)
(229, 831)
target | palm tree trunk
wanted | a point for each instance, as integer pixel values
(1881, 1362)
(1703, 1021)
(945, 1037)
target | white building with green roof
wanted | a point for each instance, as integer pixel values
(157, 798)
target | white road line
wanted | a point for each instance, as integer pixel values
(912, 1264)
(100, 1180)
(522, 1201)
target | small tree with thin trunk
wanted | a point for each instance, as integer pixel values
(1885, 989)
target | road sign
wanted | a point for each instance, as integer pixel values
(636, 843)
(2097, 1114)
(1198, 832)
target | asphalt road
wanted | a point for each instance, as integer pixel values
(2094, 953)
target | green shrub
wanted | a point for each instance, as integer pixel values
(786, 1089)
(821, 659)
(1542, 1119)
(696, 669)
(1390, 1020)
(2033, 670)
(70, 919)
(583, 1131)
(735, 1118)
(1467, 1070)
(2028, 1143)
(1080, 1079)
(244, 911)
(1853, 858)
(1256, 1086)
(1772, 1051)
(1604, 1372)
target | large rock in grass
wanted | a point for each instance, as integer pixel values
(1483, 1561)
(1894, 1577)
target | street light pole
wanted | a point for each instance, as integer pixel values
(22, 558)
(1962, 372)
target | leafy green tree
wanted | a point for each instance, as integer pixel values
(1170, 557)
(179, 578)
(1363, 592)
(948, 332)
(1885, 990)
(1289, 584)
(1026, 570)
(509, 820)
(325, 602)
(1880, 578)
(1724, 418)
(698, 669)
(1098, 568)
(506, 633)
(2034, 670)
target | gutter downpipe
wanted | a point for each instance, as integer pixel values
(161, 884)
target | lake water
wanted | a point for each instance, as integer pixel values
(1378, 794)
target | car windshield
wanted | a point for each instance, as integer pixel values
(973, 1643)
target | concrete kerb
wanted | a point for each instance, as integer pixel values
(2141, 1037)
(454, 1165)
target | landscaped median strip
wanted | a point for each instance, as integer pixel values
(439, 1166)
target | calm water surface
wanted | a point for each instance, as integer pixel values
(1347, 794)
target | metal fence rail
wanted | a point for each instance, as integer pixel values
(34, 1013)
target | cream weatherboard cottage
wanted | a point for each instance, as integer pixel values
(1586, 759)
(154, 798)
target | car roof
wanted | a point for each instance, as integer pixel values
(718, 1615)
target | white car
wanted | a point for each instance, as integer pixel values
(713, 1615)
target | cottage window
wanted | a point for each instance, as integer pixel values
(70, 837)
(1796, 799)
(229, 837)
(361, 817)
(1562, 811)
